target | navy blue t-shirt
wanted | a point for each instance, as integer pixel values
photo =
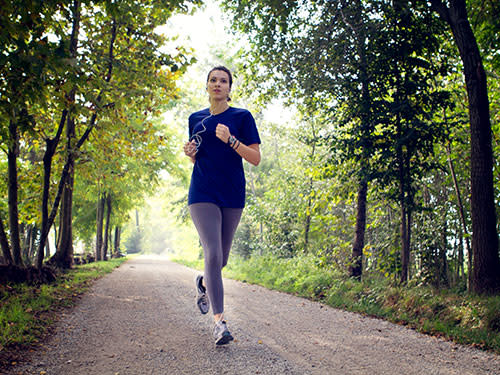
(218, 175)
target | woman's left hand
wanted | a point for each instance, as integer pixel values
(222, 132)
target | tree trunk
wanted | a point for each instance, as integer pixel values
(355, 269)
(486, 261)
(47, 249)
(64, 249)
(4, 243)
(409, 223)
(307, 226)
(358, 26)
(405, 251)
(403, 229)
(99, 225)
(50, 149)
(64, 253)
(12, 154)
(23, 239)
(106, 230)
(31, 240)
(460, 265)
(116, 249)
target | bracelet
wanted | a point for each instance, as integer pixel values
(238, 145)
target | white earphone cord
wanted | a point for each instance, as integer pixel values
(196, 136)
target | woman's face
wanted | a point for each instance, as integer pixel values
(218, 85)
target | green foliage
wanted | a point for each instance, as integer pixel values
(301, 275)
(134, 243)
(112, 77)
(384, 85)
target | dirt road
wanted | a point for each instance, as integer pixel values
(142, 319)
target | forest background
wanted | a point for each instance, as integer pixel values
(378, 190)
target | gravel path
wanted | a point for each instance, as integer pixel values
(141, 319)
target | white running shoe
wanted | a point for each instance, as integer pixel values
(221, 333)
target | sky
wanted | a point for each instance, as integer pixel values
(200, 31)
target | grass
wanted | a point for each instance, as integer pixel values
(27, 312)
(455, 315)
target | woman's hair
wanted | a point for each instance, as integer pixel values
(224, 69)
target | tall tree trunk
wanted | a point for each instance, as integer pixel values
(12, 154)
(358, 26)
(355, 269)
(64, 253)
(405, 251)
(50, 149)
(486, 260)
(307, 224)
(409, 223)
(106, 229)
(24, 239)
(47, 249)
(4, 243)
(99, 225)
(116, 250)
(460, 265)
(404, 236)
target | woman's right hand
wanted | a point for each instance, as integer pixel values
(190, 149)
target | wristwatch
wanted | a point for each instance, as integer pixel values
(231, 140)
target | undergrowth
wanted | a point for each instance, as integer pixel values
(27, 311)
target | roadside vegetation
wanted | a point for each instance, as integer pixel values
(452, 314)
(27, 312)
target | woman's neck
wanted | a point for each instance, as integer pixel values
(218, 107)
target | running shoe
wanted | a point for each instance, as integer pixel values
(221, 333)
(201, 298)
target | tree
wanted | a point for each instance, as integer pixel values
(363, 64)
(486, 259)
(130, 31)
(47, 72)
(27, 60)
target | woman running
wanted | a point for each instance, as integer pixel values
(220, 137)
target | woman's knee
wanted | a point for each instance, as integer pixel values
(213, 258)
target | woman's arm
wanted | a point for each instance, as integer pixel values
(250, 153)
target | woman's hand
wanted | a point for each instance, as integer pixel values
(190, 149)
(222, 132)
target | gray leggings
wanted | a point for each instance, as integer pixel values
(216, 226)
